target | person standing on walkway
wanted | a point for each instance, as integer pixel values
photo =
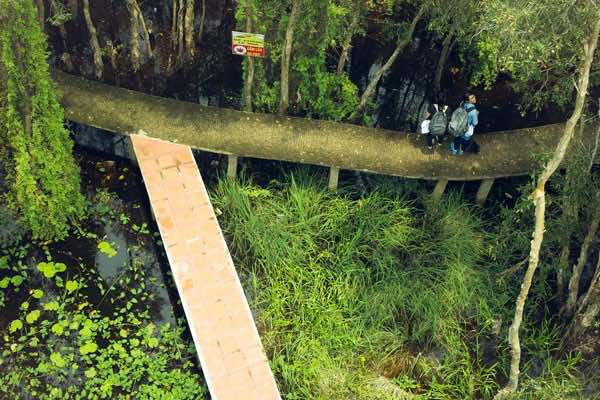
(462, 139)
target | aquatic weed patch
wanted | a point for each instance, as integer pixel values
(72, 332)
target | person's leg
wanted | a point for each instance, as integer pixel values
(455, 145)
(429, 141)
(466, 142)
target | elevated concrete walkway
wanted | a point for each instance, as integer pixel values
(224, 333)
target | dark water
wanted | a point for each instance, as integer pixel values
(82, 253)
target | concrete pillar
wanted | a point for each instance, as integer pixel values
(484, 190)
(232, 161)
(334, 174)
(440, 186)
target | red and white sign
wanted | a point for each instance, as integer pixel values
(247, 44)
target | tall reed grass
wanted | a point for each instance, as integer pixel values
(348, 289)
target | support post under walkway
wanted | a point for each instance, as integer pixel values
(232, 162)
(334, 175)
(484, 190)
(440, 187)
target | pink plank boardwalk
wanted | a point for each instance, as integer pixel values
(224, 333)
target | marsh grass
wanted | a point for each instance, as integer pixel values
(342, 285)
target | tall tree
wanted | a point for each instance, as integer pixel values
(530, 40)
(42, 174)
(286, 55)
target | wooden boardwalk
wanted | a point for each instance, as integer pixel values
(299, 140)
(224, 333)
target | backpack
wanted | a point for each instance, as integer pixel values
(458, 121)
(439, 122)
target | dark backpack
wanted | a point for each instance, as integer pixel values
(458, 121)
(439, 123)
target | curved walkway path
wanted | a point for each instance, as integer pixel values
(266, 136)
(227, 343)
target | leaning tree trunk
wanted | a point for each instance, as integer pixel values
(98, 66)
(563, 265)
(587, 312)
(202, 19)
(249, 81)
(539, 199)
(578, 269)
(145, 34)
(286, 55)
(570, 215)
(589, 307)
(446, 48)
(347, 42)
(370, 90)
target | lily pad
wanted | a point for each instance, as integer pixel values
(32, 316)
(58, 360)
(15, 325)
(106, 248)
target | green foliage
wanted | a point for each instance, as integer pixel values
(74, 338)
(41, 172)
(537, 43)
(49, 269)
(342, 286)
(315, 90)
(107, 248)
(322, 94)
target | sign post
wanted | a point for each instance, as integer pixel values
(247, 44)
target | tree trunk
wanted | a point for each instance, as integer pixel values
(41, 12)
(286, 55)
(372, 86)
(587, 312)
(347, 43)
(563, 265)
(189, 29)
(180, 32)
(99, 67)
(539, 200)
(202, 19)
(145, 34)
(578, 269)
(134, 41)
(249, 81)
(437, 80)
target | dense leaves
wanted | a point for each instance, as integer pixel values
(36, 153)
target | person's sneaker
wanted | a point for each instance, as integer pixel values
(460, 152)
(452, 150)
(429, 147)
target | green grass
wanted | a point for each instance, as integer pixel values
(344, 287)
